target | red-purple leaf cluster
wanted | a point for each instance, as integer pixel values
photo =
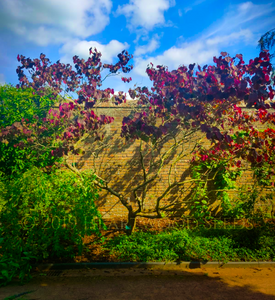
(200, 99)
(124, 79)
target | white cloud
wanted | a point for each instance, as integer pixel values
(145, 13)
(246, 35)
(239, 25)
(190, 7)
(187, 9)
(81, 49)
(2, 79)
(128, 97)
(200, 51)
(47, 22)
(243, 15)
(153, 45)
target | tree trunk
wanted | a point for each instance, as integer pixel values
(131, 224)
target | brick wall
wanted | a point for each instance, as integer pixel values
(117, 163)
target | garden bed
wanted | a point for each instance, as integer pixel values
(169, 240)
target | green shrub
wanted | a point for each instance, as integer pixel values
(3, 192)
(16, 104)
(45, 216)
(195, 245)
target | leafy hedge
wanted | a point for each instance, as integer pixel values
(44, 216)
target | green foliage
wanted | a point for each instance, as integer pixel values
(248, 196)
(201, 244)
(45, 216)
(217, 177)
(264, 174)
(3, 192)
(215, 180)
(148, 246)
(244, 203)
(199, 196)
(16, 104)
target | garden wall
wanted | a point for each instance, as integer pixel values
(118, 163)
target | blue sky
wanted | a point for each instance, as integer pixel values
(165, 32)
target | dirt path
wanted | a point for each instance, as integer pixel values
(134, 284)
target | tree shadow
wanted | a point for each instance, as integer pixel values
(148, 283)
(120, 162)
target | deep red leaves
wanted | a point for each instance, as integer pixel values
(206, 100)
(199, 100)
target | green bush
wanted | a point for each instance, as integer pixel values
(45, 216)
(3, 192)
(195, 245)
(148, 246)
(16, 104)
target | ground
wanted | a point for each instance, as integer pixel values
(134, 284)
(139, 283)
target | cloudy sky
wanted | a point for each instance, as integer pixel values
(166, 32)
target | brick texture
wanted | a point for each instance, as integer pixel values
(118, 163)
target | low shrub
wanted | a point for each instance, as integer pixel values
(195, 245)
(45, 216)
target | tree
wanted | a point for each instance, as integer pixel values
(182, 104)
(267, 41)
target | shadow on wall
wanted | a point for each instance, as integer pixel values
(119, 162)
